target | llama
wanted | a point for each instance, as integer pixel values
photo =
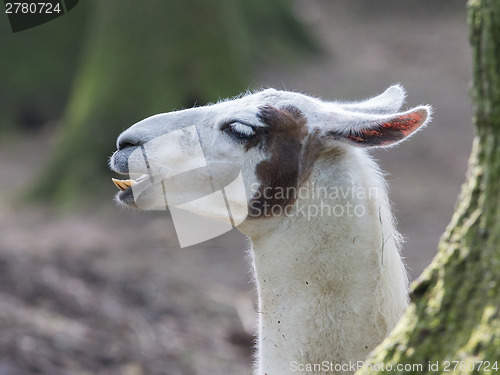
(325, 251)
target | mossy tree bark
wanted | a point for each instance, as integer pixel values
(142, 59)
(455, 309)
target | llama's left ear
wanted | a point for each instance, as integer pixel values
(390, 101)
(372, 130)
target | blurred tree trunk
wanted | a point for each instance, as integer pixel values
(36, 69)
(455, 313)
(142, 59)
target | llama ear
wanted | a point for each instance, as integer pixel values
(390, 101)
(371, 130)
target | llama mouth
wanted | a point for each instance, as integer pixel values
(126, 184)
(130, 189)
(123, 184)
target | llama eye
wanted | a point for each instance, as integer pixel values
(239, 130)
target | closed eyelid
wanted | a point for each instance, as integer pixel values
(229, 122)
(244, 129)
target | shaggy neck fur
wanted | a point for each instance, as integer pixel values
(330, 287)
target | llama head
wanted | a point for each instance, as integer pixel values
(247, 146)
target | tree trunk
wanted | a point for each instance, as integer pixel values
(455, 309)
(142, 59)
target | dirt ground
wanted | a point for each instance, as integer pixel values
(101, 290)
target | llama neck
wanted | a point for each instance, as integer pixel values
(331, 286)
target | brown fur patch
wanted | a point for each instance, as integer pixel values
(291, 155)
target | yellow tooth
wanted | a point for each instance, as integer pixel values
(117, 183)
(123, 184)
(128, 183)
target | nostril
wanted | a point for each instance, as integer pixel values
(127, 143)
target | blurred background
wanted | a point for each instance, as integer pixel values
(90, 288)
